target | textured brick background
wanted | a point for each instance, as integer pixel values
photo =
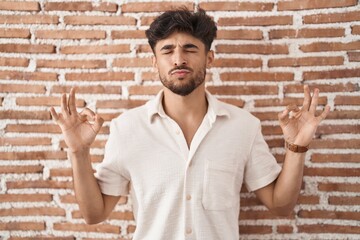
(266, 50)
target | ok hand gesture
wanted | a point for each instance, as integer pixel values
(299, 125)
(79, 129)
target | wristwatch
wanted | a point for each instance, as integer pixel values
(296, 148)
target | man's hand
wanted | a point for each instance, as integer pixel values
(299, 125)
(79, 130)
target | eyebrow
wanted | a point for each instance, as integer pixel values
(185, 46)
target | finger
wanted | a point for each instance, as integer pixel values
(307, 98)
(314, 101)
(284, 116)
(98, 123)
(64, 108)
(324, 114)
(54, 114)
(87, 114)
(72, 101)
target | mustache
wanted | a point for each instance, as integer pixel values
(180, 68)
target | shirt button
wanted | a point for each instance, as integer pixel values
(177, 132)
(188, 231)
(188, 197)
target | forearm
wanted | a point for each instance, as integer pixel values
(87, 190)
(288, 184)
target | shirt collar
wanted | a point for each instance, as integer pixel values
(215, 107)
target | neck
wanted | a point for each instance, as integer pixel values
(183, 108)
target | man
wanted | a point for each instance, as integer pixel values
(185, 154)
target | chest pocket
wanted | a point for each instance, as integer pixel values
(219, 186)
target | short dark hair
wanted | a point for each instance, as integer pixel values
(198, 24)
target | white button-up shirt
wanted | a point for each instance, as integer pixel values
(182, 192)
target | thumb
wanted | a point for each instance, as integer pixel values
(98, 123)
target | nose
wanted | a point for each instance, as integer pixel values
(179, 59)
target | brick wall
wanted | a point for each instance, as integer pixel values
(266, 50)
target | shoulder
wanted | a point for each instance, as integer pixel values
(238, 114)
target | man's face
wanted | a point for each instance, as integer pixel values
(181, 62)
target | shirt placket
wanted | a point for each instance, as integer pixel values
(188, 155)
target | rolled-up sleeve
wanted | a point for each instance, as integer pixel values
(261, 168)
(109, 173)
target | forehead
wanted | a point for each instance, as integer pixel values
(179, 39)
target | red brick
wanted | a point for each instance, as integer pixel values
(244, 34)
(309, 200)
(26, 198)
(83, 64)
(334, 200)
(354, 56)
(22, 88)
(70, 34)
(248, 229)
(154, 6)
(329, 214)
(61, 172)
(39, 155)
(236, 6)
(305, 61)
(39, 211)
(271, 130)
(131, 228)
(93, 89)
(284, 229)
(102, 76)
(37, 128)
(253, 49)
(307, 33)
(332, 172)
(125, 34)
(237, 62)
(89, 49)
(310, 4)
(10, 114)
(258, 215)
(339, 187)
(42, 237)
(347, 100)
(105, 228)
(243, 90)
(335, 143)
(21, 169)
(144, 90)
(328, 228)
(284, 102)
(332, 74)
(38, 184)
(21, 75)
(22, 226)
(44, 101)
(29, 19)
(99, 20)
(80, 6)
(14, 33)
(257, 76)
(16, 6)
(132, 62)
(14, 62)
(119, 103)
(330, 46)
(329, 158)
(28, 141)
(348, 87)
(347, 16)
(26, 48)
(256, 21)
(355, 30)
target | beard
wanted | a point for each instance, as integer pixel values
(181, 86)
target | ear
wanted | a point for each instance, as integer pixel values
(154, 63)
(209, 58)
